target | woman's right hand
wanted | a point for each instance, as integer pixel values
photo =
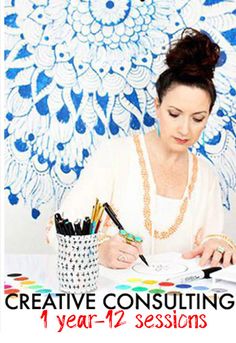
(117, 253)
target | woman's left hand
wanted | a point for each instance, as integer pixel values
(214, 252)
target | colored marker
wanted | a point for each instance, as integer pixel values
(59, 224)
(77, 227)
(189, 277)
(69, 227)
(86, 226)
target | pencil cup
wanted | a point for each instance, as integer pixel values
(77, 263)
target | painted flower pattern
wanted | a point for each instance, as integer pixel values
(78, 72)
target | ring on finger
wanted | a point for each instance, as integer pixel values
(122, 258)
(220, 249)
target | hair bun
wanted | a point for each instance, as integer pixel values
(194, 54)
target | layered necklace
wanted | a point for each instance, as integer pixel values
(147, 199)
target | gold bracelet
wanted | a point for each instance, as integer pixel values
(225, 238)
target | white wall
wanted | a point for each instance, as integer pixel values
(23, 234)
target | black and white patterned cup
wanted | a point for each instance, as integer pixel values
(77, 263)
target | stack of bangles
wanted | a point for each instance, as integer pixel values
(225, 238)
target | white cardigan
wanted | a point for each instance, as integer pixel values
(113, 175)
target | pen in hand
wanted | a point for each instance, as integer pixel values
(115, 220)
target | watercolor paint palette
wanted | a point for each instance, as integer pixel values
(139, 285)
(20, 283)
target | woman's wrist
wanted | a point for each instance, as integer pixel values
(103, 237)
(106, 234)
(225, 238)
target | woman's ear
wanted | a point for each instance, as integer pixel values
(157, 106)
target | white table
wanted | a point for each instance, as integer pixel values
(43, 270)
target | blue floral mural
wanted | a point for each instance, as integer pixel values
(78, 72)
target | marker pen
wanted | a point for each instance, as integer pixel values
(93, 227)
(59, 224)
(77, 227)
(68, 227)
(193, 276)
(115, 220)
(86, 226)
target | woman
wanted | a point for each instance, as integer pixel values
(159, 190)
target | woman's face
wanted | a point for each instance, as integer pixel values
(182, 115)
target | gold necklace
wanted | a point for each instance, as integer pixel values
(147, 199)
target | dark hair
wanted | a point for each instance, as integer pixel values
(191, 61)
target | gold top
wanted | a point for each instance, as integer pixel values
(147, 199)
